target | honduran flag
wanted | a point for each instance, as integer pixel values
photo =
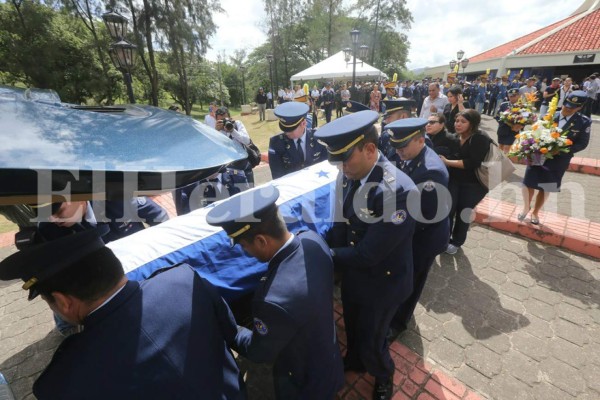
(305, 202)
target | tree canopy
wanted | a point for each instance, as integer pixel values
(63, 45)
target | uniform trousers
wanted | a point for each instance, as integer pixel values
(261, 111)
(422, 264)
(366, 330)
(465, 196)
(328, 108)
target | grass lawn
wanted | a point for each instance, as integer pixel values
(260, 131)
(6, 225)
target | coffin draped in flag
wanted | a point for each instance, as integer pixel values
(305, 202)
(50, 147)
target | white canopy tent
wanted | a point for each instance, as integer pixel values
(336, 68)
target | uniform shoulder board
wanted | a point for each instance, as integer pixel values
(281, 136)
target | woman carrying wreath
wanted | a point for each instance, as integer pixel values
(547, 177)
(507, 131)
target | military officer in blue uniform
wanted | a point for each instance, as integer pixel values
(506, 132)
(292, 307)
(548, 177)
(164, 338)
(113, 220)
(395, 109)
(370, 242)
(218, 187)
(295, 148)
(422, 164)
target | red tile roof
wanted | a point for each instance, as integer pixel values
(506, 48)
(580, 35)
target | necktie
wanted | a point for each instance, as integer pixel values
(299, 150)
(349, 200)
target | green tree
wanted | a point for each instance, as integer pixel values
(48, 49)
(186, 26)
(384, 18)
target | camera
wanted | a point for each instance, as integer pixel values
(27, 237)
(229, 124)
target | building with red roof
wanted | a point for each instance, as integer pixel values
(569, 47)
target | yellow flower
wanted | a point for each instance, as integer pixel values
(543, 150)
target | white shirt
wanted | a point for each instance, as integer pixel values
(345, 95)
(107, 300)
(439, 102)
(302, 144)
(210, 121)
(364, 180)
(239, 133)
(315, 93)
(562, 120)
(286, 244)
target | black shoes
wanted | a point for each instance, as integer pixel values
(383, 390)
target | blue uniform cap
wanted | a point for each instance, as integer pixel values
(343, 134)
(402, 131)
(237, 214)
(575, 99)
(355, 106)
(290, 115)
(513, 91)
(36, 264)
(398, 105)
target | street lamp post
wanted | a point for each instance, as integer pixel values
(270, 60)
(122, 53)
(243, 69)
(354, 35)
(351, 53)
(464, 64)
(452, 65)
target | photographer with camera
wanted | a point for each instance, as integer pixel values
(236, 131)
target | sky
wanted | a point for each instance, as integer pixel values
(439, 30)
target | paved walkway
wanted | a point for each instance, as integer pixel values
(507, 317)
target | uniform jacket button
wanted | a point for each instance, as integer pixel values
(388, 273)
(351, 243)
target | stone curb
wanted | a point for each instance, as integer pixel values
(578, 235)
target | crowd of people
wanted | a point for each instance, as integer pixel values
(381, 246)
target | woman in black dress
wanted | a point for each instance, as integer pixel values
(547, 178)
(456, 104)
(465, 188)
(444, 143)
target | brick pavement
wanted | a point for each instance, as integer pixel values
(505, 318)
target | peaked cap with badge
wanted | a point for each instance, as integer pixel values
(343, 134)
(403, 130)
(37, 264)
(401, 104)
(237, 214)
(290, 115)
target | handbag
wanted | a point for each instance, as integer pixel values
(495, 167)
(253, 153)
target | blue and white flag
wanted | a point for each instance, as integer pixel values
(305, 202)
